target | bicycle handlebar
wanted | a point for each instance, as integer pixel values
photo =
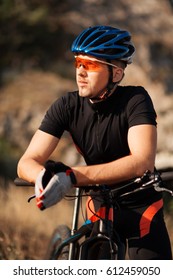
(148, 180)
(20, 182)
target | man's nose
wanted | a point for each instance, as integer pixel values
(81, 71)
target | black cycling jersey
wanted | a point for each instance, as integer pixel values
(99, 130)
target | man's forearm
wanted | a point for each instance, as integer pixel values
(111, 173)
(28, 169)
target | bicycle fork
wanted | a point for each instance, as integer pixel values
(74, 223)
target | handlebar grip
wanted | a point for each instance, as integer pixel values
(21, 182)
(167, 176)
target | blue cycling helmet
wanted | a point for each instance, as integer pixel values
(105, 42)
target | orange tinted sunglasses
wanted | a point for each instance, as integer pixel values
(91, 65)
(87, 64)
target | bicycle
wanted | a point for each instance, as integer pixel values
(95, 239)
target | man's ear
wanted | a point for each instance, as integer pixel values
(118, 74)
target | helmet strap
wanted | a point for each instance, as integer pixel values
(110, 85)
(104, 95)
(109, 88)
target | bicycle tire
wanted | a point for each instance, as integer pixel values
(61, 233)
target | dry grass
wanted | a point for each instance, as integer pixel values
(25, 230)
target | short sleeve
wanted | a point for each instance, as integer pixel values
(55, 119)
(140, 109)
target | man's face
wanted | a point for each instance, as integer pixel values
(91, 76)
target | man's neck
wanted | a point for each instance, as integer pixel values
(103, 96)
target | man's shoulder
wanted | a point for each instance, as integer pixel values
(67, 98)
(130, 92)
(132, 89)
(71, 96)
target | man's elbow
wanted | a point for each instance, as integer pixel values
(146, 165)
(19, 168)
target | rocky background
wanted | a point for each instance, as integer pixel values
(37, 66)
(34, 75)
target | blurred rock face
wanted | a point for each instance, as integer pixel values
(27, 97)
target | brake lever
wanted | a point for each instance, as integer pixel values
(31, 197)
(162, 189)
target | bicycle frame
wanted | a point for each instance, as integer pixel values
(104, 236)
(74, 222)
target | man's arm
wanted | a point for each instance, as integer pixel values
(142, 140)
(142, 144)
(39, 150)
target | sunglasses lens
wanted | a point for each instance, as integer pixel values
(88, 65)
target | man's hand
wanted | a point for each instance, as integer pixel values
(53, 183)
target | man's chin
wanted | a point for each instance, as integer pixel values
(85, 94)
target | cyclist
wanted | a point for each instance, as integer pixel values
(114, 128)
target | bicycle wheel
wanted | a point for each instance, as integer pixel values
(98, 248)
(61, 233)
